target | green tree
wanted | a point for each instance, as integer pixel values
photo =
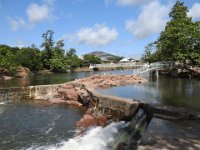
(150, 54)
(91, 59)
(72, 59)
(59, 49)
(7, 56)
(58, 62)
(48, 48)
(180, 39)
(30, 58)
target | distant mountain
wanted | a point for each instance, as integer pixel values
(101, 54)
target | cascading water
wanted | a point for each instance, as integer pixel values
(96, 138)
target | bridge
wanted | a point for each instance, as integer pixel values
(139, 68)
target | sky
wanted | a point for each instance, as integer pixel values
(119, 27)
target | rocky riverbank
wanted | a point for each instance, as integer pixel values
(182, 72)
(100, 108)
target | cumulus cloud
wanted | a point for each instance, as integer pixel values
(127, 2)
(195, 11)
(17, 23)
(35, 13)
(152, 19)
(131, 2)
(98, 35)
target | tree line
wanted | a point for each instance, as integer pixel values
(180, 41)
(51, 56)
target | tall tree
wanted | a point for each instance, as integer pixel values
(72, 59)
(149, 53)
(180, 38)
(59, 49)
(58, 62)
(7, 56)
(48, 48)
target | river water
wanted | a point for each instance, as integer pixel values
(33, 125)
(165, 90)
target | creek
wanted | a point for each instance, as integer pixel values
(33, 125)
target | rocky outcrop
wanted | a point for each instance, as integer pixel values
(101, 108)
(5, 74)
(22, 72)
(90, 120)
(106, 81)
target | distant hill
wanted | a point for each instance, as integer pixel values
(101, 54)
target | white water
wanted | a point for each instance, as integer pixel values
(96, 138)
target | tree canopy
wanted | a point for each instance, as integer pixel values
(180, 41)
(52, 56)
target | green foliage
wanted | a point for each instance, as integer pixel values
(48, 48)
(150, 54)
(91, 59)
(7, 56)
(52, 56)
(72, 59)
(30, 58)
(180, 41)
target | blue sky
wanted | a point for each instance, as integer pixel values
(120, 27)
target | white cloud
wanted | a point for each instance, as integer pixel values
(20, 44)
(131, 2)
(195, 11)
(127, 2)
(151, 20)
(99, 35)
(35, 13)
(15, 24)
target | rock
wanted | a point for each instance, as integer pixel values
(22, 72)
(101, 120)
(75, 103)
(68, 102)
(87, 121)
(6, 77)
(67, 86)
(4, 72)
(68, 93)
(91, 120)
(44, 71)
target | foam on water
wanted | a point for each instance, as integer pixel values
(96, 138)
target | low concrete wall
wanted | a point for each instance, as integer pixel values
(114, 107)
(8, 94)
(27, 93)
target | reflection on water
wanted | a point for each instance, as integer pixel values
(168, 91)
(23, 124)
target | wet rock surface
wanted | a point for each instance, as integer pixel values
(101, 108)
(22, 72)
